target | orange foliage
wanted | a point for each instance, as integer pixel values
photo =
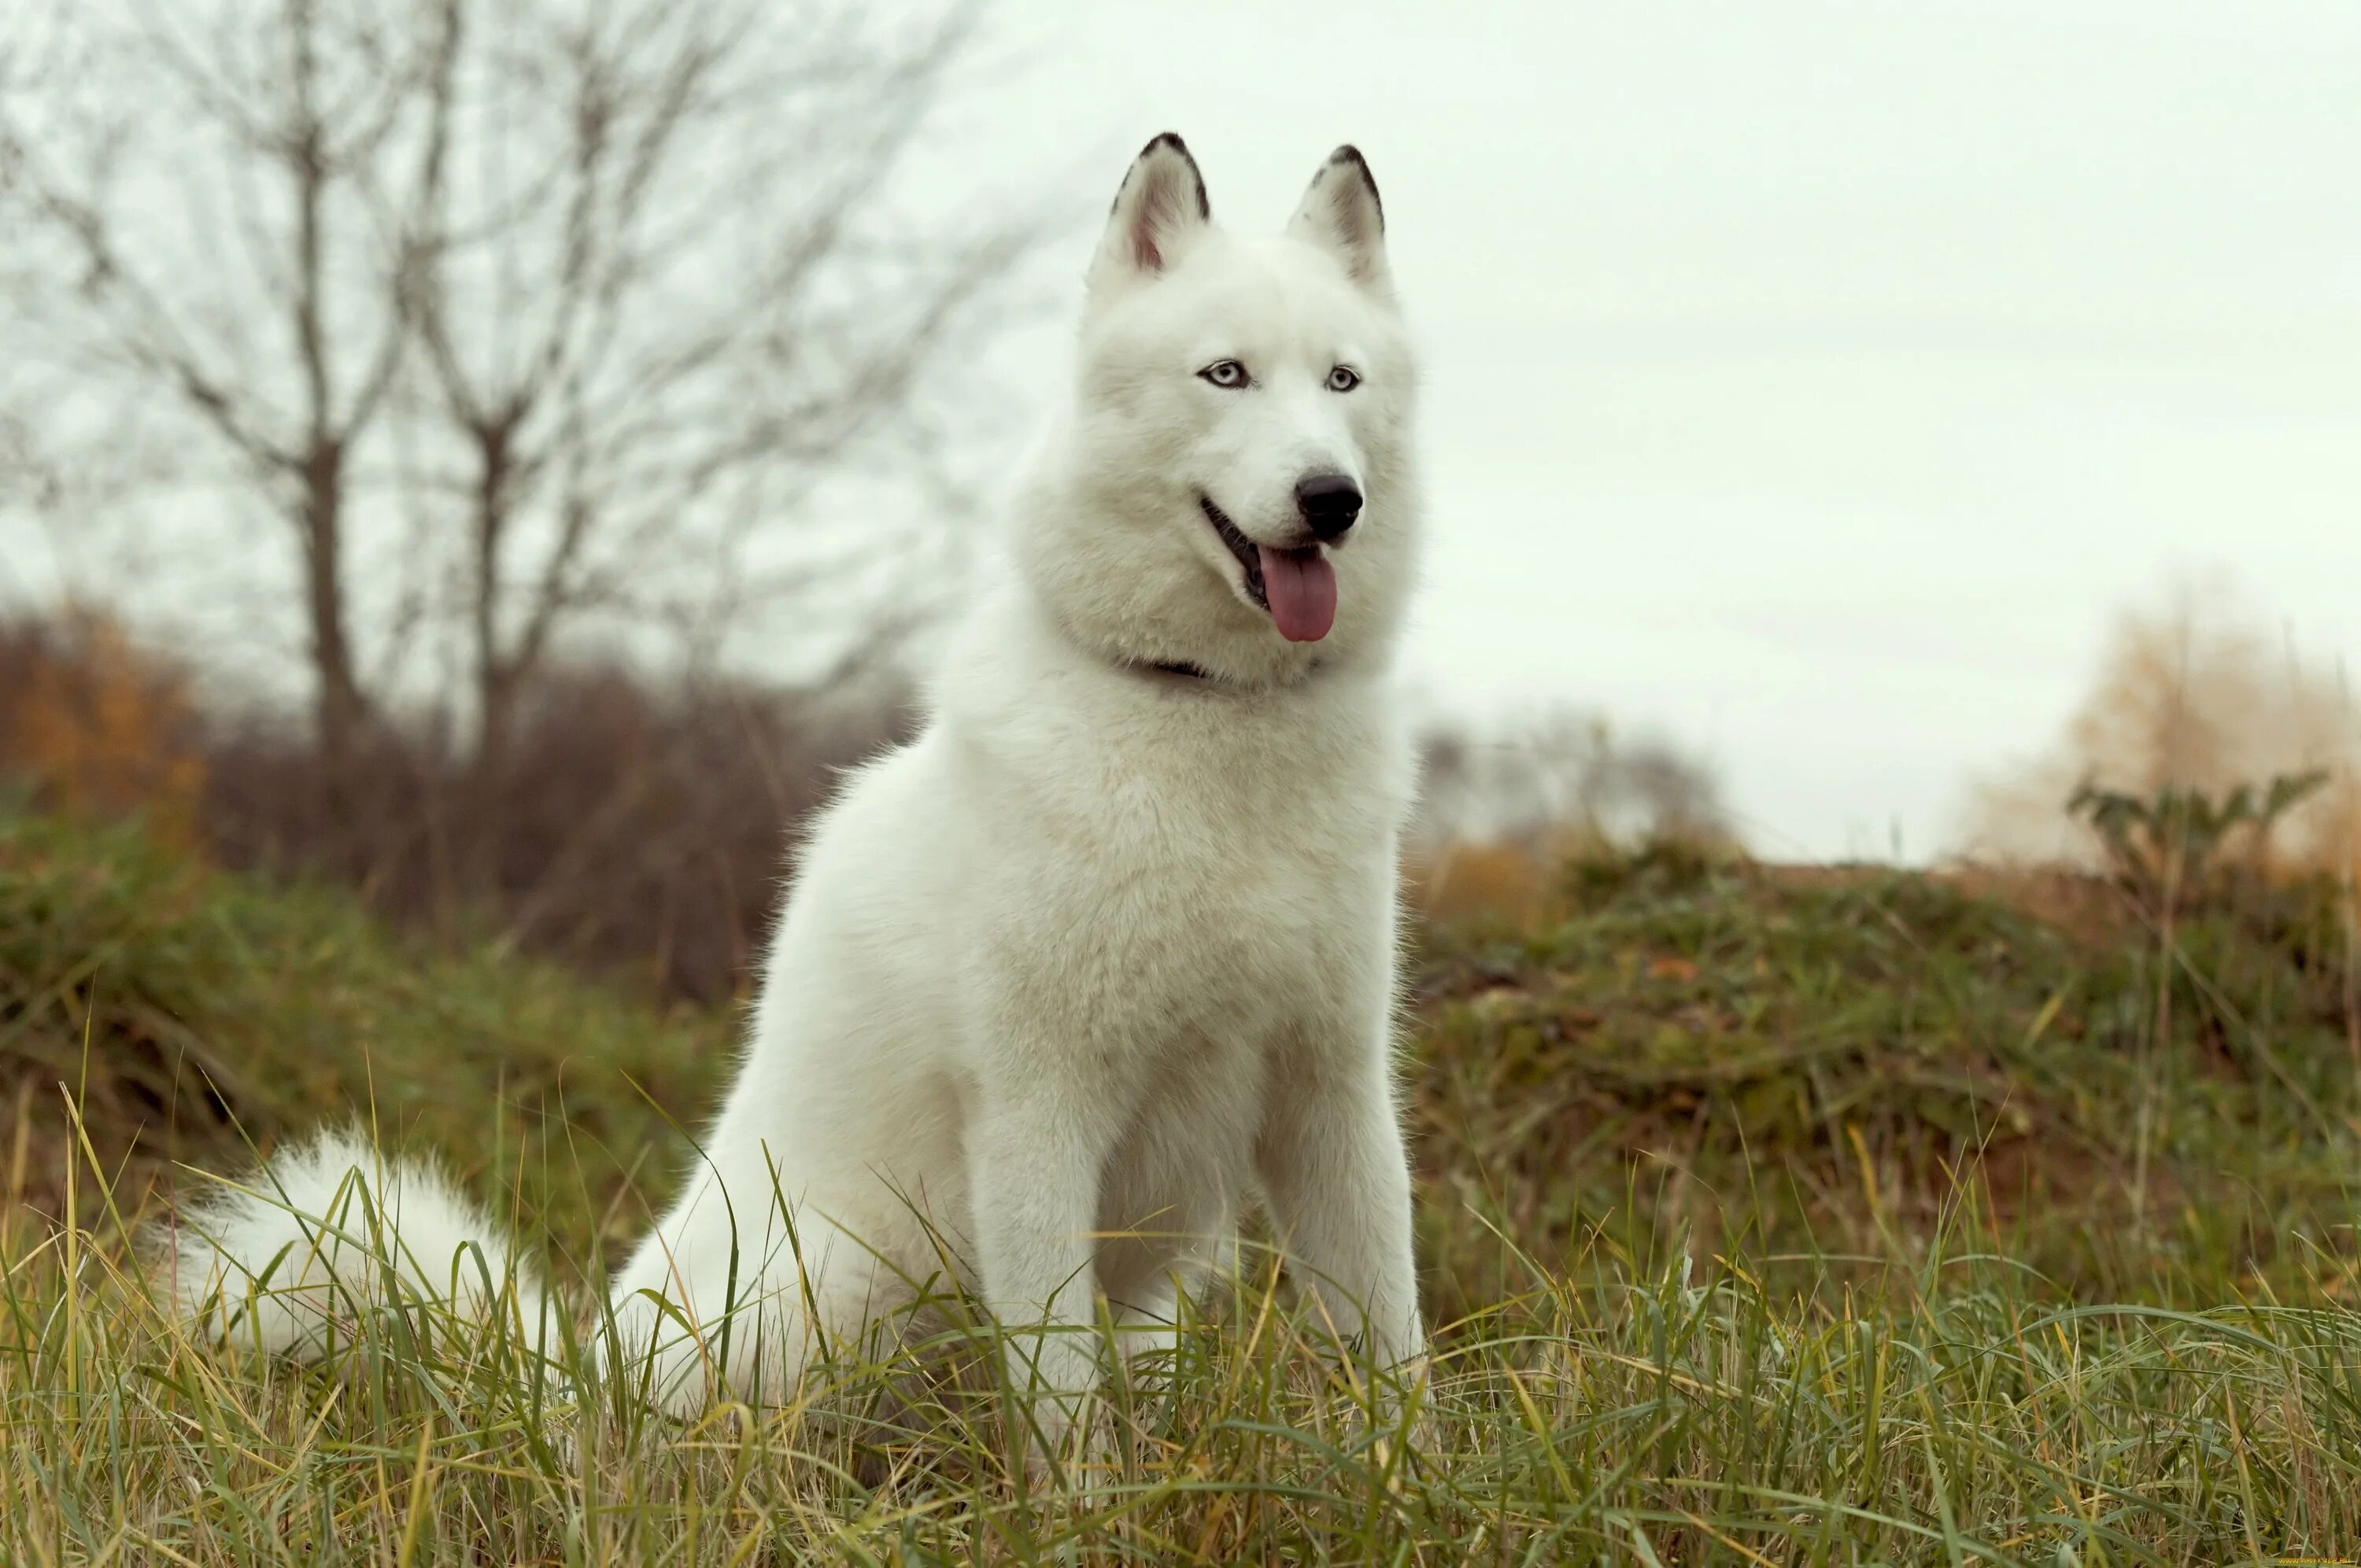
(100, 727)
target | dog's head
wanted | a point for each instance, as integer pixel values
(1235, 490)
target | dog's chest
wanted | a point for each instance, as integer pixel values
(1194, 874)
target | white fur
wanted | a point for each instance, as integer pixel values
(1106, 949)
(327, 1232)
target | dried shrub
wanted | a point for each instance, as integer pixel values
(636, 830)
(100, 727)
(2193, 699)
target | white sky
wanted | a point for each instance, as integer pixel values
(1810, 381)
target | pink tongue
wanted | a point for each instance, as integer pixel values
(1302, 587)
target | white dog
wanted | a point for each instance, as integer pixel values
(1111, 945)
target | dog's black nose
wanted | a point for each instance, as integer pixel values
(1328, 502)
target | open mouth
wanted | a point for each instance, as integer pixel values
(1298, 588)
(1248, 553)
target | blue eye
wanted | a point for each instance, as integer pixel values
(1227, 373)
(1343, 379)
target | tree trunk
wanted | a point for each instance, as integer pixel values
(497, 676)
(337, 706)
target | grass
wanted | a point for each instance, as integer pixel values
(1767, 1218)
(192, 1015)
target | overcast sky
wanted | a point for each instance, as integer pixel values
(1812, 381)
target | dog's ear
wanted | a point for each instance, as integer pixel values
(1342, 214)
(1159, 213)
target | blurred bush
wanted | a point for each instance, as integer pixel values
(100, 727)
(635, 829)
(2193, 700)
(1510, 815)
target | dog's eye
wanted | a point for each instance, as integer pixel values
(1225, 373)
(1343, 379)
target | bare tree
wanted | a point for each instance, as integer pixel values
(255, 323)
(579, 294)
(647, 331)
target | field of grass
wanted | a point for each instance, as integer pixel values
(1765, 1218)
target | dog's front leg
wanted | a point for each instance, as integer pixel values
(1034, 1165)
(1336, 1177)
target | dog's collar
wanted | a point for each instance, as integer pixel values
(1189, 672)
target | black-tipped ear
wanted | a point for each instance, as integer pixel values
(1341, 212)
(1158, 212)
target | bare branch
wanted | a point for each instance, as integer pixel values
(583, 303)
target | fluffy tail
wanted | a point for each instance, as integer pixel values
(329, 1234)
